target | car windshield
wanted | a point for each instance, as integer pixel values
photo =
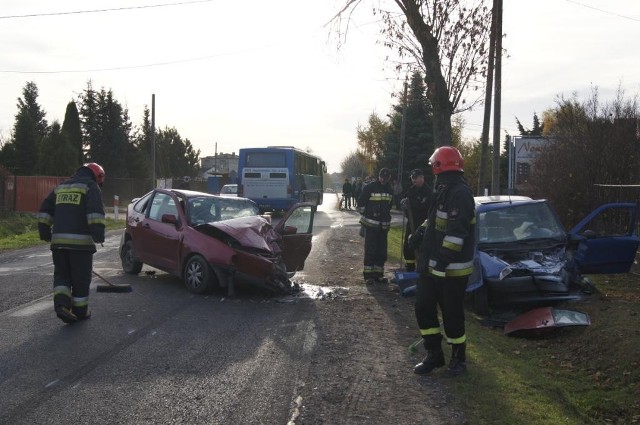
(516, 223)
(206, 209)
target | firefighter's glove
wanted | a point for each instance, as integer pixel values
(439, 269)
(45, 233)
(98, 237)
(404, 202)
(415, 239)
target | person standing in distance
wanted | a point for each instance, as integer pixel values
(415, 203)
(357, 191)
(74, 209)
(347, 192)
(374, 205)
(446, 261)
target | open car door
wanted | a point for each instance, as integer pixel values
(296, 230)
(606, 241)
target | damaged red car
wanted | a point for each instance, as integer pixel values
(212, 241)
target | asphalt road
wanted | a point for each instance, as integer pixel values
(155, 355)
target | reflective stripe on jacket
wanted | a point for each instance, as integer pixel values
(74, 209)
(375, 205)
(450, 235)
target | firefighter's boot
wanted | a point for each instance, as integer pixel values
(62, 307)
(458, 364)
(82, 313)
(433, 360)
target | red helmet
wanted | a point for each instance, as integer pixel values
(98, 172)
(446, 158)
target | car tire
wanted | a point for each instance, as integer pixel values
(480, 298)
(198, 276)
(129, 264)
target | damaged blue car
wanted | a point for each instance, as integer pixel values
(525, 257)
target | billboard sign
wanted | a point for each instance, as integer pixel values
(524, 151)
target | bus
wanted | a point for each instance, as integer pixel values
(277, 177)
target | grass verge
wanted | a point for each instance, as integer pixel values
(20, 230)
(587, 375)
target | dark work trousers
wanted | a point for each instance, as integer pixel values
(408, 252)
(448, 293)
(72, 278)
(375, 252)
(346, 199)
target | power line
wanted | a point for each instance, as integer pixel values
(121, 68)
(603, 11)
(115, 9)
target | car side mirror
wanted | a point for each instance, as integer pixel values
(289, 230)
(169, 218)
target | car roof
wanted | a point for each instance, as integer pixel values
(500, 199)
(486, 203)
(189, 193)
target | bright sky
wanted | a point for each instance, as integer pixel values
(256, 73)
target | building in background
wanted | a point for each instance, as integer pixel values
(222, 164)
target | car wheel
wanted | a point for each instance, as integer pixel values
(480, 299)
(198, 275)
(129, 264)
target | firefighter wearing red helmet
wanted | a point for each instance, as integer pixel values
(98, 172)
(74, 209)
(446, 261)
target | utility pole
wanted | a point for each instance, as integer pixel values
(495, 180)
(484, 140)
(402, 132)
(153, 141)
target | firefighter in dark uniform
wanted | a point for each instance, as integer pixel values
(75, 210)
(375, 206)
(446, 261)
(415, 203)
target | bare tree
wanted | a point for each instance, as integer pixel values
(593, 143)
(354, 165)
(447, 39)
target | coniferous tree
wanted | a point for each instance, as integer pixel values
(107, 128)
(56, 155)
(29, 128)
(25, 145)
(7, 154)
(537, 130)
(71, 128)
(418, 140)
(175, 157)
(141, 156)
(29, 104)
